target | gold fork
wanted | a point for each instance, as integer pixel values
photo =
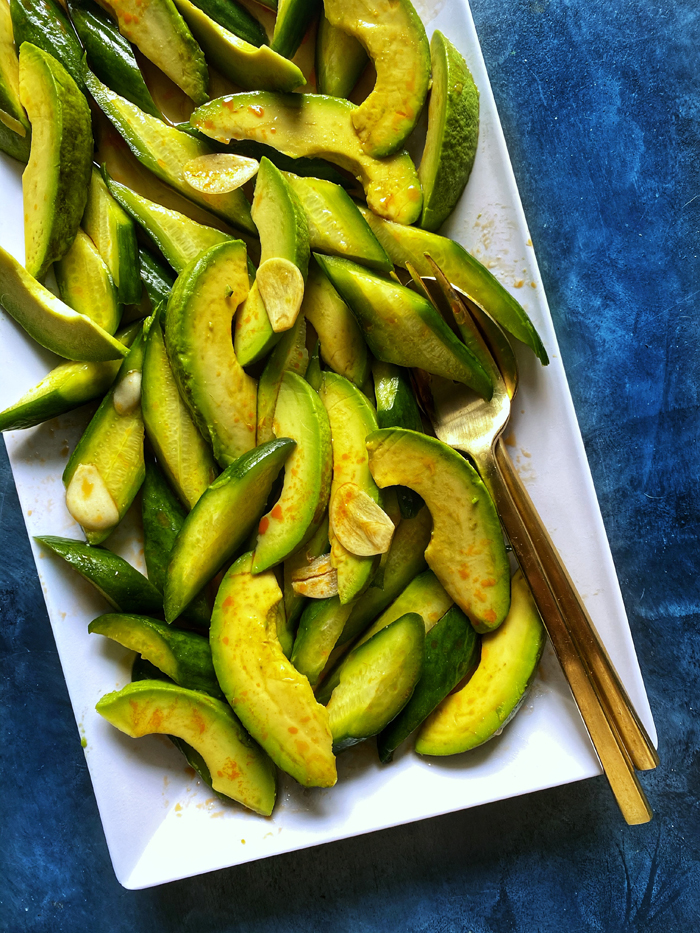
(475, 426)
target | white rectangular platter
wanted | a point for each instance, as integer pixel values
(161, 824)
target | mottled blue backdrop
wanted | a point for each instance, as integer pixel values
(600, 103)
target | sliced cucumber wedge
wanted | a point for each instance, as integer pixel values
(110, 55)
(178, 238)
(340, 60)
(184, 656)
(180, 448)
(124, 588)
(112, 231)
(402, 327)
(221, 396)
(166, 151)
(275, 702)
(249, 66)
(335, 223)
(493, 695)
(106, 469)
(220, 522)
(316, 125)
(376, 682)
(55, 182)
(293, 519)
(237, 766)
(161, 34)
(86, 285)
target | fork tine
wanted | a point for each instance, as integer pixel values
(478, 329)
(498, 344)
(422, 389)
(419, 283)
(459, 314)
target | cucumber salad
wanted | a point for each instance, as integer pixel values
(221, 226)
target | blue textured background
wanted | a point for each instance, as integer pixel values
(600, 103)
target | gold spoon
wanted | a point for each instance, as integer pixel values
(469, 423)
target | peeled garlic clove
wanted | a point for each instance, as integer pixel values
(326, 584)
(317, 579)
(127, 393)
(89, 501)
(313, 568)
(281, 287)
(219, 172)
(359, 524)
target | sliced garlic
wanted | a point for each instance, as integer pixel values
(318, 587)
(281, 287)
(316, 579)
(219, 172)
(359, 524)
(313, 568)
(127, 393)
(89, 501)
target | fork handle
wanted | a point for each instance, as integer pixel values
(615, 761)
(613, 695)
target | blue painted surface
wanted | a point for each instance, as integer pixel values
(600, 103)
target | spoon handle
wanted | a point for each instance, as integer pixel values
(614, 759)
(613, 695)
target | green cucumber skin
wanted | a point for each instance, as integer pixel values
(163, 516)
(97, 379)
(245, 483)
(68, 386)
(444, 180)
(110, 55)
(15, 145)
(367, 722)
(44, 24)
(403, 412)
(340, 60)
(124, 588)
(130, 286)
(293, 19)
(232, 207)
(314, 373)
(377, 307)
(191, 652)
(320, 627)
(451, 649)
(155, 277)
(145, 214)
(462, 269)
(235, 18)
